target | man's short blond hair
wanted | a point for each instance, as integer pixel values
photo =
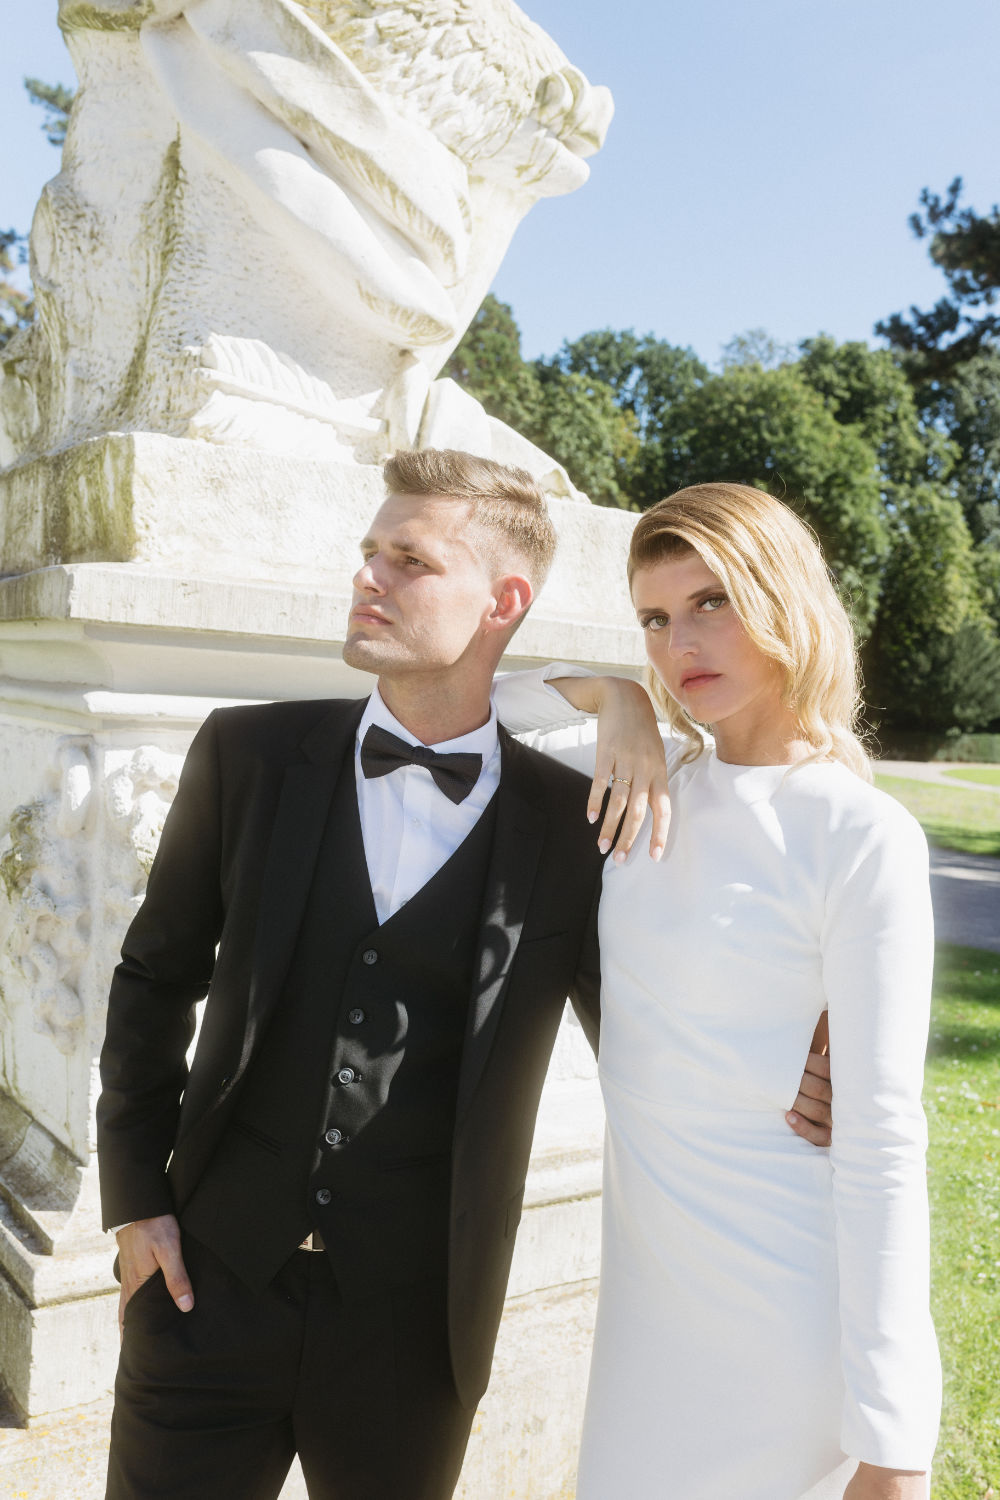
(507, 504)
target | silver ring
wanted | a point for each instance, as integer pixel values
(625, 780)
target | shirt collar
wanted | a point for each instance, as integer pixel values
(483, 741)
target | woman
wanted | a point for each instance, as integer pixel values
(763, 1329)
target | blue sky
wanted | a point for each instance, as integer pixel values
(763, 161)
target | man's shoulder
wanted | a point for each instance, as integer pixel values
(561, 789)
(281, 726)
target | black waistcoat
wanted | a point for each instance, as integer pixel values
(345, 1117)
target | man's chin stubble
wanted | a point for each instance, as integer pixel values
(362, 655)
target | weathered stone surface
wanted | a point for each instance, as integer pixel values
(275, 218)
(209, 517)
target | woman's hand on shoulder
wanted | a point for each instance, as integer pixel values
(630, 758)
(874, 1483)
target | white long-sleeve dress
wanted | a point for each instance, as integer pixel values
(763, 1317)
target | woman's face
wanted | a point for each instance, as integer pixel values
(697, 646)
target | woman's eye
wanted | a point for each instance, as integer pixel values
(714, 601)
(656, 622)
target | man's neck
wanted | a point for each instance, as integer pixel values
(434, 713)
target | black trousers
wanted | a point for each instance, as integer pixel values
(213, 1404)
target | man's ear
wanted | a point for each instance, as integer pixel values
(512, 595)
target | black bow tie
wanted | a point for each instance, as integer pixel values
(455, 775)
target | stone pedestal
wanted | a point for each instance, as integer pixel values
(106, 670)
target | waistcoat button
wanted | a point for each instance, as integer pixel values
(355, 1017)
(323, 1197)
(333, 1138)
(346, 1075)
(369, 956)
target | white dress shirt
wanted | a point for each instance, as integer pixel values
(410, 828)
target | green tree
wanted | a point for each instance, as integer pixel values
(578, 422)
(572, 416)
(16, 306)
(649, 379)
(931, 620)
(57, 101)
(967, 407)
(869, 390)
(756, 347)
(966, 246)
(770, 428)
(488, 364)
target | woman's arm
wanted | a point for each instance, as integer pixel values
(874, 1483)
(877, 950)
(622, 749)
(629, 757)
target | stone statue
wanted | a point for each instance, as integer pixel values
(276, 218)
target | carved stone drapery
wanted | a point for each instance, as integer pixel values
(276, 218)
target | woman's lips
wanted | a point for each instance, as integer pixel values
(699, 679)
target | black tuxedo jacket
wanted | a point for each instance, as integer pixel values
(232, 874)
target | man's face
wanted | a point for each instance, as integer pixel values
(422, 592)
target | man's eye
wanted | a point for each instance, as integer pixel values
(414, 562)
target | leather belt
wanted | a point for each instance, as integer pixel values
(313, 1241)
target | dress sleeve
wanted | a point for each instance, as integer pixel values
(878, 950)
(537, 714)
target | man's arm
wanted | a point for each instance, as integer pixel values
(585, 993)
(811, 1115)
(167, 960)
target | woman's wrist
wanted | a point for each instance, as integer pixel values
(872, 1482)
(588, 695)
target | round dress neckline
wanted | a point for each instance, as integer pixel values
(739, 765)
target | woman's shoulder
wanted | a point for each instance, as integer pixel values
(854, 811)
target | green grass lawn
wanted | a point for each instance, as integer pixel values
(953, 817)
(983, 775)
(962, 1096)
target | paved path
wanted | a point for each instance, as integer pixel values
(965, 887)
(66, 1458)
(935, 770)
(966, 892)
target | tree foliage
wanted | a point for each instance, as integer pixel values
(572, 415)
(57, 101)
(770, 428)
(896, 474)
(966, 246)
(16, 305)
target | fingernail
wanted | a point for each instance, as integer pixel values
(591, 816)
(604, 845)
(620, 857)
(186, 1302)
(657, 851)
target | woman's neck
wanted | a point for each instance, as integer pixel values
(771, 737)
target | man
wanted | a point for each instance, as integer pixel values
(317, 1238)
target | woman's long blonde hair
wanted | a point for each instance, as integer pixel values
(771, 567)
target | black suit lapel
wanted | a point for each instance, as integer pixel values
(520, 832)
(299, 825)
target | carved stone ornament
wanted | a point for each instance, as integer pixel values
(73, 868)
(275, 220)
